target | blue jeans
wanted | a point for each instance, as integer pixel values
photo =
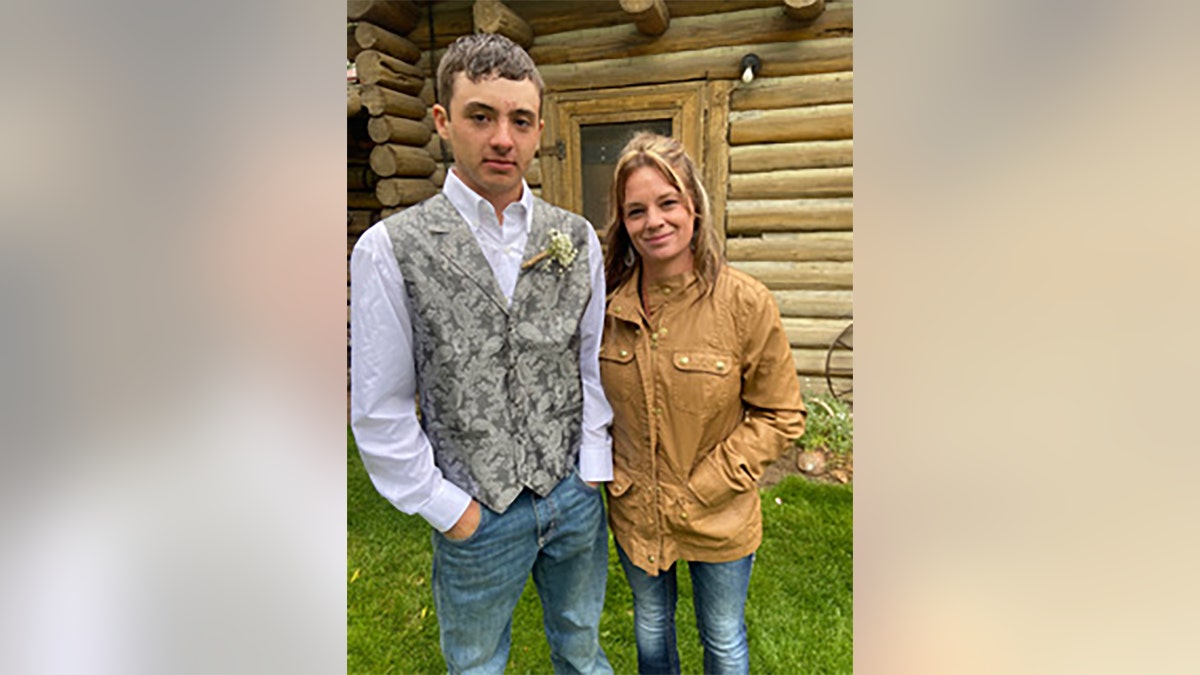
(719, 595)
(561, 539)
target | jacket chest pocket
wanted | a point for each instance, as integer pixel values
(619, 372)
(703, 381)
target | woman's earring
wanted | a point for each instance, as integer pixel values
(630, 259)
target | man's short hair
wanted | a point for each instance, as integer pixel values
(484, 56)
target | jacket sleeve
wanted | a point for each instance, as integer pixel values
(774, 411)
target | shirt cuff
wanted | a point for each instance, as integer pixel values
(595, 463)
(447, 504)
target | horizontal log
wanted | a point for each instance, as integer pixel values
(723, 28)
(786, 215)
(812, 333)
(370, 36)
(779, 59)
(798, 275)
(398, 16)
(770, 93)
(358, 221)
(438, 176)
(815, 385)
(360, 178)
(353, 99)
(367, 201)
(833, 182)
(383, 101)
(392, 159)
(452, 18)
(426, 94)
(799, 155)
(404, 191)
(803, 10)
(792, 247)
(389, 129)
(826, 304)
(438, 150)
(390, 211)
(352, 46)
(378, 68)
(816, 123)
(493, 16)
(650, 16)
(812, 361)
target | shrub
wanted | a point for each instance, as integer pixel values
(830, 425)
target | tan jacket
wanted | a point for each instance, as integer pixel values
(704, 396)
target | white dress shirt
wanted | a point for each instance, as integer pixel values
(383, 383)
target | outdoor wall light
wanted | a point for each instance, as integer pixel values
(751, 66)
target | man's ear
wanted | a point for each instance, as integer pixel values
(441, 119)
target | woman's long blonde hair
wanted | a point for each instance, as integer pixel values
(668, 157)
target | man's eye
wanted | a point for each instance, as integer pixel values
(523, 123)
(479, 117)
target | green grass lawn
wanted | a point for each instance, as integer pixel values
(799, 615)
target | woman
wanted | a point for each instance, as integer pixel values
(704, 393)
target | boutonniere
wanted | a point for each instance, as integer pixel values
(560, 249)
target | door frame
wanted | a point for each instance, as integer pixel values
(566, 112)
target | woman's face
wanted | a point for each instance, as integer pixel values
(660, 221)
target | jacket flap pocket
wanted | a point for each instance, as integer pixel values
(703, 362)
(620, 483)
(616, 353)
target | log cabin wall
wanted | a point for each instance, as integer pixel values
(777, 152)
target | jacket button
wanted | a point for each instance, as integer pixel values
(624, 353)
(683, 515)
(658, 411)
(662, 331)
(650, 558)
(683, 360)
(720, 365)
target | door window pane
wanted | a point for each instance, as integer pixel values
(600, 145)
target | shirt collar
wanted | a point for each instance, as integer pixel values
(472, 207)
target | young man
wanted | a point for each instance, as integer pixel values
(485, 304)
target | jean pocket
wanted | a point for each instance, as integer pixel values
(583, 483)
(484, 517)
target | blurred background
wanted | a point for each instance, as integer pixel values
(174, 337)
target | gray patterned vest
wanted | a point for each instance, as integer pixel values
(498, 384)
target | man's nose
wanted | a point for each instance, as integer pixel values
(503, 136)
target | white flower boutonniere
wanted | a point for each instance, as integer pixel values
(560, 249)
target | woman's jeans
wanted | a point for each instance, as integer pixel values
(719, 595)
(562, 540)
